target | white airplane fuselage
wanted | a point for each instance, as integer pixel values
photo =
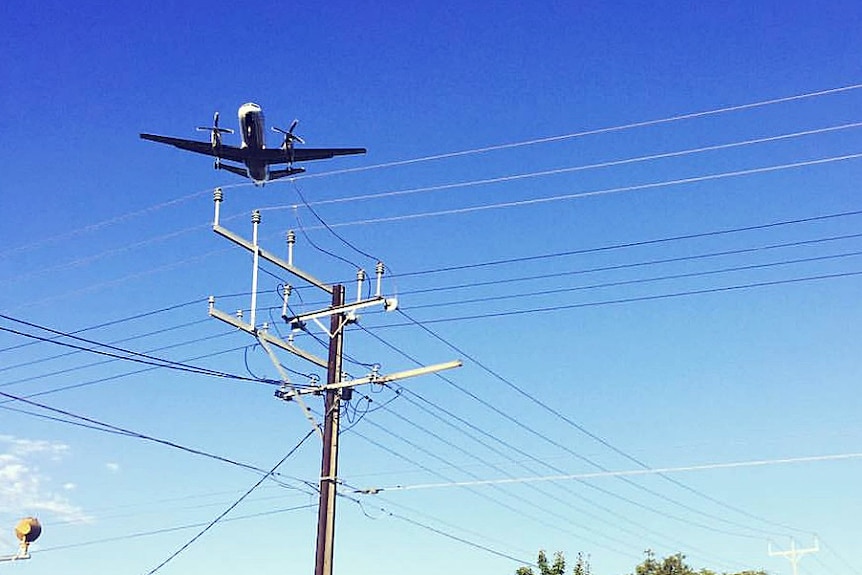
(251, 123)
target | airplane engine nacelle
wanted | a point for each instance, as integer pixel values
(28, 530)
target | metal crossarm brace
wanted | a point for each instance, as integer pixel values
(272, 357)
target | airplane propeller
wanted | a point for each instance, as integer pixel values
(289, 139)
(289, 136)
(215, 131)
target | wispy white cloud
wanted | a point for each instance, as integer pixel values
(22, 447)
(24, 488)
(113, 467)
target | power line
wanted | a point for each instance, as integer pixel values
(570, 169)
(341, 238)
(230, 508)
(599, 192)
(578, 426)
(123, 279)
(418, 448)
(90, 259)
(521, 260)
(627, 473)
(172, 529)
(81, 384)
(555, 443)
(71, 369)
(616, 301)
(640, 243)
(471, 453)
(437, 531)
(132, 356)
(597, 131)
(668, 119)
(98, 425)
(637, 281)
(125, 319)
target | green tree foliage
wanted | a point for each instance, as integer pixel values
(676, 565)
(582, 565)
(670, 565)
(558, 567)
(545, 568)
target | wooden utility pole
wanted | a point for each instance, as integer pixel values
(329, 460)
(335, 390)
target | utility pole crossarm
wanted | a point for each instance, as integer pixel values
(272, 258)
(346, 308)
(267, 255)
(376, 378)
(276, 341)
(795, 554)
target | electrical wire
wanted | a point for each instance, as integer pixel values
(66, 370)
(635, 244)
(341, 238)
(594, 193)
(597, 131)
(616, 301)
(497, 262)
(628, 473)
(230, 508)
(113, 342)
(675, 118)
(118, 321)
(669, 119)
(172, 529)
(456, 211)
(637, 281)
(520, 512)
(102, 426)
(602, 441)
(530, 456)
(314, 245)
(122, 354)
(568, 170)
(90, 382)
(551, 512)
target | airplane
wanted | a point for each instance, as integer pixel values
(253, 151)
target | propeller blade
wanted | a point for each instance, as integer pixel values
(289, 136)
(290, 131)
(215, 127)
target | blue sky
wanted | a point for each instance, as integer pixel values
(654, 289)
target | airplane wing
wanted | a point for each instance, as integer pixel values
(224, 152)
(308, 154)
(279, 156)
(267, 155)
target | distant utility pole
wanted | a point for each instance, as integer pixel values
(795, 554)
(335, 390)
